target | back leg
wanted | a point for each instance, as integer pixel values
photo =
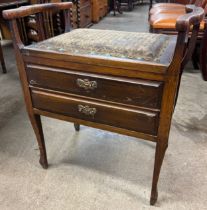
(195, 58)
(2, 59)
(159, 156)
(77, 126)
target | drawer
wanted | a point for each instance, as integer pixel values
(102, 113)
(115, 89)
(85, 16)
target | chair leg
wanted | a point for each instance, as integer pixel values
(159, 156)
(203, 55)
(195, 58)
(130, 5)
(150, 6)
(37, 127)
(77, 126)
(2, 59)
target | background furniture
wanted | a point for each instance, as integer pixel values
(81, 12)
(129, 3)
(162, 19)
(180, 1)
(203, 54)
(99, 9)
(122, 93)
(115, 5)
(171, 1)
(4, 28)
(84, 13)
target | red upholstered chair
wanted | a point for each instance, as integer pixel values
(176, 9)
(171, 5)
(164, 20)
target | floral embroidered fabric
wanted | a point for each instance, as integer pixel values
(108, 43)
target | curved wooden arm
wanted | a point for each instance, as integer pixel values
(33, 9)
(194, 16)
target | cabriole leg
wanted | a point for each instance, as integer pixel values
(37, 126)
(159, 156)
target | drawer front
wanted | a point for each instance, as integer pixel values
(130, 119)
(85, 16)
(126, 91)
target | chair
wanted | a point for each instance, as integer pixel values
(177, 4)
(129, 3)
(122, 82)
(5, 32)
(164, 21)
(171, 7)
(115, 5)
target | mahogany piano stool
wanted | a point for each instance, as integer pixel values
(124, 82)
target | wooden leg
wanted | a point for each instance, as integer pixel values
(118, 3)
(2, 59)
(114, 7)
(195, 58)
(37, 126)
(151, 2)
(77, 126)
(159, 156)
(130, 5)
(203, 55)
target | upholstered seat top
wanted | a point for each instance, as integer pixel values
(108, 43)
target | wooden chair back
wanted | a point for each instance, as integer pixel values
(42, 21)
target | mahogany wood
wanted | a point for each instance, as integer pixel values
(71, 82)
(86, 104)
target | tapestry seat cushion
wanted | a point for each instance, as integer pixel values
(108, 43)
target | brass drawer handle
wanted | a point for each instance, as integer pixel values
(87, 110)
(86, 84)
(33, 82)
